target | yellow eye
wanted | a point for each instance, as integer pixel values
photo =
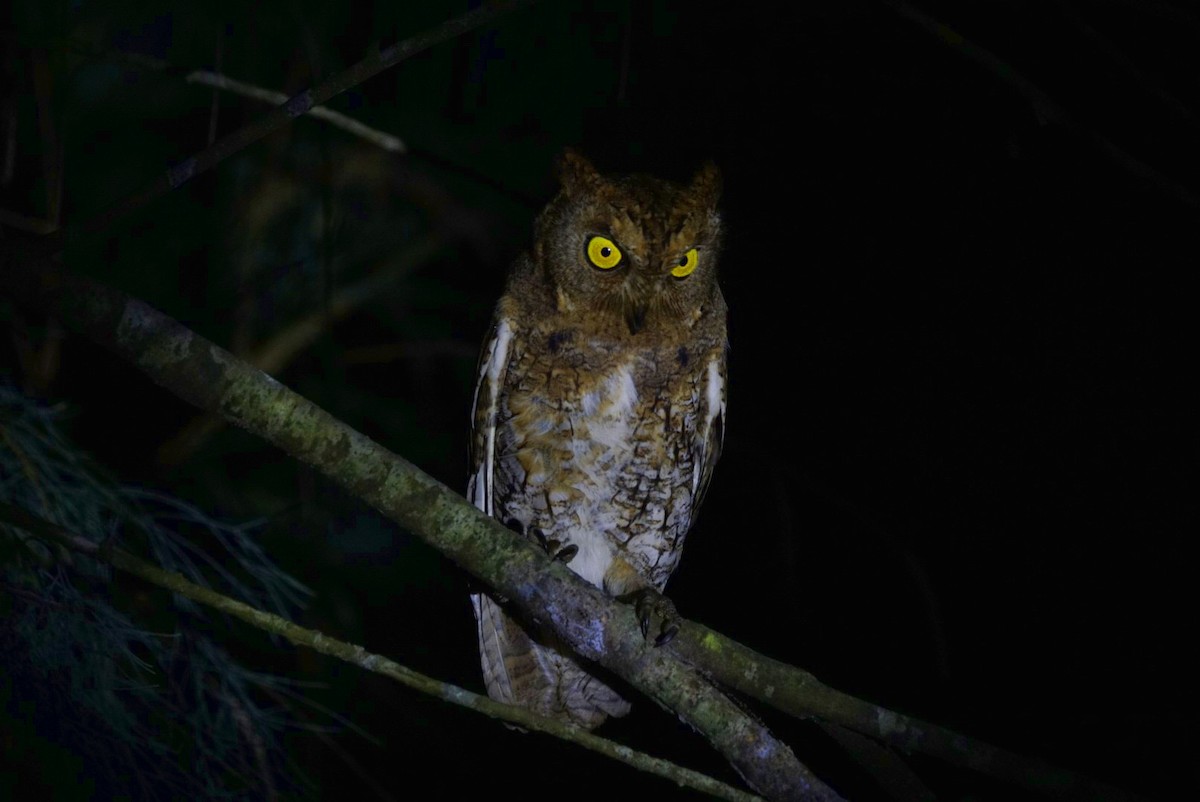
(687, 264)
(603, 253)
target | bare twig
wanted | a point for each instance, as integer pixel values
(24, 222)
(1046, 107)
(409, 349)
(1129, 67)
(356, 655)
(388, 142)
(51, 148)
(215, 108)
(304, 102)
(52, 156)
(274, 354)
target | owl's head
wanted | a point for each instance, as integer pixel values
(637, 250)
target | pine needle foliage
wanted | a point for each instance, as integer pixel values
(114, 690)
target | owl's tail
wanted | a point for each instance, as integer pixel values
(521, 671)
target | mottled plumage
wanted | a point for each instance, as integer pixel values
(600, 405)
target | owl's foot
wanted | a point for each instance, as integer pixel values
(656, 614)
(557, 551)
(566, 553)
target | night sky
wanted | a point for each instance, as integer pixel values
(958, 475)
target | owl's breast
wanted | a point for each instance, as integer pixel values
(594, 448)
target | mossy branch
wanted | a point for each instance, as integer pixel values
(593, 624)
(590, 622)
(798, 692)
(356, 655)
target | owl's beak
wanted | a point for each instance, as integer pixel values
(635, 317)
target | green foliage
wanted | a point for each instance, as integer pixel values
(129, 711)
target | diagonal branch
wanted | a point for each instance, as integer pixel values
(350, 125)
(798, 692)
(585, 618)
(274, 354)
(356, 655)
(591, 623)
(1045, 106)
(303, 103)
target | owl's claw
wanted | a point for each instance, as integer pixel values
(557, 551)
(653, 608)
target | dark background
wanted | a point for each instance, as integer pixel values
(957, 476)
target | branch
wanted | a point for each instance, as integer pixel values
(388, 142)
(356, 655)
(590, 622)
(798, 692)
(272, 355)
(1045, 106)
(303, 103)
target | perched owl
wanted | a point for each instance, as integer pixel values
(599, 411)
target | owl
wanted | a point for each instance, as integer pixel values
(599, 411)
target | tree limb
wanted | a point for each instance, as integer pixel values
(302, 103)
(798, 692)
(356, 655)
(593, 624)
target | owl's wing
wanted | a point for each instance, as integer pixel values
(493, 362)
(710, 434)
(493, 625)
(516, 669)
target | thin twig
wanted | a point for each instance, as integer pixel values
(388, 142)
(1129, 66)
(51, 145)
(215, 108)
(299, 104)
(356, 655)
(277, 352)
(24, 222)
(1046, 107)
(409, 349)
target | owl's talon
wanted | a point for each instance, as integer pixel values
(554, 547)
(655, 612)
(549, 545)
(566, 553)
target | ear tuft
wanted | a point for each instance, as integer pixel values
(576, 173)
(706, 185)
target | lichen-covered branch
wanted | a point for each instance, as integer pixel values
(798, 692)
(593, 624)
(356, 655)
